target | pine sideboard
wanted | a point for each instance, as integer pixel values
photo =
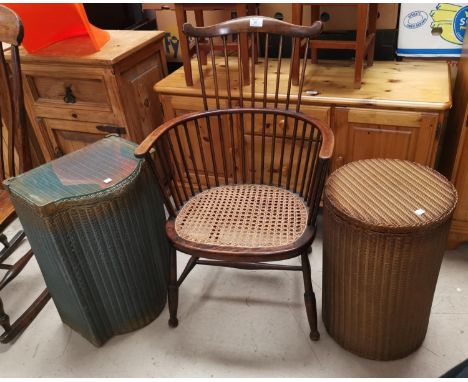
(454, 159)
(74, 96)
(399, 112)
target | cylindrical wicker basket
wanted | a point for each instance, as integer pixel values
(95, 222)
(385, 229)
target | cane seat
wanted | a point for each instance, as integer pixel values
(248, 216)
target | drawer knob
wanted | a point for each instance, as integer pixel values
(111, 129)
(339, 162)
(57, 152)
(69, 96)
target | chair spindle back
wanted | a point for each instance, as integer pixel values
(246, 133)
(259, 29)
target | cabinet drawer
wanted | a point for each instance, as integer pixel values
(81, 94)
(69, 89)
(76, 114)
(322, 113)
(80, 91)
(59, 136)
(175, 106)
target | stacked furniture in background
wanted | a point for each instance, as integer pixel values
(14, 159)
(188, 49)
(364, 45)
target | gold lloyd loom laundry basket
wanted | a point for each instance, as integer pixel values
(385, 229)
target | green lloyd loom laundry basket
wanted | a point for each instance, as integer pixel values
(95, 222)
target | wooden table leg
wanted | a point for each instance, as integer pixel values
(297, 11)
(201, 23)
(241, 10)
(314, 16)
(181, 18)
(371, 31)
(362, 13)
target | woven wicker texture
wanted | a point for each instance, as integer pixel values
(103, 256)
(391, 194)
(249, 216)
(379, 282)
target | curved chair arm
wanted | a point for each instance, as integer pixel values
(326, 150)
(144, 147)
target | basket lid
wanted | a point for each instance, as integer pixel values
(390, 195)
(94, 168)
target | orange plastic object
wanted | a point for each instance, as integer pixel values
(45, 24)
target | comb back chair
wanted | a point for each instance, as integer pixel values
(232, 200)
(14, 159)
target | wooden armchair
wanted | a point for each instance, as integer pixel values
(14, 159)
(242, 184)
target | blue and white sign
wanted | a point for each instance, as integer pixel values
(432, 30)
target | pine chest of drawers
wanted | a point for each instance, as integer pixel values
(75, 97)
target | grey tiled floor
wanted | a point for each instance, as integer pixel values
(232, 323)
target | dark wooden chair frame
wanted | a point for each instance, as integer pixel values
(172, 140)
(13, 115)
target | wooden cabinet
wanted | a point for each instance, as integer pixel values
(454, 159)
(368, 133)
(399, 112)
(74, 98)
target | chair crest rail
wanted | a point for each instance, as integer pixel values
(259, 24)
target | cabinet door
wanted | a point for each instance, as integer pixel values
(369, 133)
(63, 136)
(141, 105)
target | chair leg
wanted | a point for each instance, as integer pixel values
(26, 318)
(297, 10)
(314, 16)
(363, 12)
(241, 10)
(10, 246)
(15, 269)
(4, 319)
(199, 21)
(173, 291)
(181, 18)
(372, 30)
(309, 298)
(4, 240)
